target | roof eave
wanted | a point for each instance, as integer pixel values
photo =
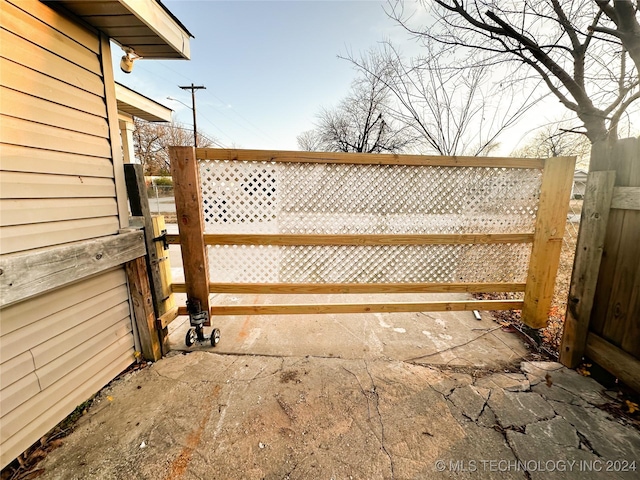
(137, 105)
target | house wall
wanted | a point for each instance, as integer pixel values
(59, 183)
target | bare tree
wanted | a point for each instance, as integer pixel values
(579, 48)
(362, 122)
(453, 111)
(309, 141)
(152, 139)
(552, 141)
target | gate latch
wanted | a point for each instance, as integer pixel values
(162, 238)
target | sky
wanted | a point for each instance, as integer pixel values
(268, 66)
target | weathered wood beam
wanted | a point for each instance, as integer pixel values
(586, 266)
(626, 198)
(26, 274)
(143, 312)
(139, 203)
(615, 360)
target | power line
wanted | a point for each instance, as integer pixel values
(223, 102)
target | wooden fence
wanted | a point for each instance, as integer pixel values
(603, 311)
(544, 238)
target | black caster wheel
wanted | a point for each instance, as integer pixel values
(215, 337)
(190, 339)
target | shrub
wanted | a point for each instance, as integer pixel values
(163, 181)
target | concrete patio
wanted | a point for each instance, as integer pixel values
(350, 396)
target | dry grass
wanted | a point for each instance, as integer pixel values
(548, 339)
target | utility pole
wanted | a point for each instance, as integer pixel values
(193, 89)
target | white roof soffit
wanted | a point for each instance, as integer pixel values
(147, 26)
(137, 105)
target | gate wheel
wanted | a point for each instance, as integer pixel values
(215, 337)
(190, 339)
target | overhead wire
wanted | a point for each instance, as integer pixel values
(200, 115)
(222, 112)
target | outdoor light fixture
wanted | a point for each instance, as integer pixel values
(126, 62)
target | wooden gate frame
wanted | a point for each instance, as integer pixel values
(601, 196)
(557, 180)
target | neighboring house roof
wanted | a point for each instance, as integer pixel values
(147, 26)
(580, 175)
(137, 105)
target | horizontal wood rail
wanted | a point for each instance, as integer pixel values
(27, 274)
(626, 198)
(614, 359)
(442, 306)
(366, 240)
(168, 317)
(366, 158)
(329, 288)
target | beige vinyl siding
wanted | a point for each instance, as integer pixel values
(20, 50)
(27, 313)
(57, 183)
(15, 131)
(27, 237)
(39, 185)
(57, 352)
(19, 22)
(39, 85)
(13, 370)
(27, 107)
(59, 23)
(20, 159)
(21, 212)
(36, 333)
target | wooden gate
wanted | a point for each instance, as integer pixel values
(279, 222)
(603, 309)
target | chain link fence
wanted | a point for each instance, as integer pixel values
(162, 202)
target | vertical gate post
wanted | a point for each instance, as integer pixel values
(139, 204)
(186, 184)
(167, 302)
(586, 266)
(557, 180)
(143, 309)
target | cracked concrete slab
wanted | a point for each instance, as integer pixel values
(470, 400)
(513, 382)
(517, 409)
(544, 460)
(603, 434)
(254, 417)
(369, 396)
(557, 430)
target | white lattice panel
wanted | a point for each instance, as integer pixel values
(369, 264)
(266, 197)
(311, 198)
